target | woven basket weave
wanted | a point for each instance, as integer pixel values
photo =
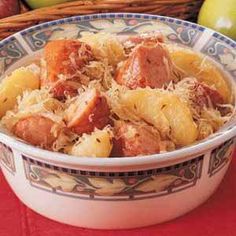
(183, 9)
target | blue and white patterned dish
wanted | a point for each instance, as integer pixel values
(127, 192)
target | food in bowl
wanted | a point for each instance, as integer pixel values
(106, 96)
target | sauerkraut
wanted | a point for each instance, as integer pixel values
(177, 112)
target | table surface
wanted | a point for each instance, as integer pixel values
(217, 217)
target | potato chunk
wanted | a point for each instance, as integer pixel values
(14, 85)
(97, 144)
(183, 129)
(146, 104)
(165, 111)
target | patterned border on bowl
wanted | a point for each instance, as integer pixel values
(220, 157)
(121, 24)
(220, 49)
(11, 50)
(7, 158)
(113, 185)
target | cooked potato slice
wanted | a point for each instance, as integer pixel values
(14, 85)
(194, 65)
(97, 144)
(183, 129)
(146, 104)
(165, 111)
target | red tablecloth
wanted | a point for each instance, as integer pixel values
(217, 217)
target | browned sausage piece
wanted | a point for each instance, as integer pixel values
(201, 94)
(212, 93)
(148, 65)
(89, 111)
(134, 140)
(64, 58)
(65, 89)
(36, 130)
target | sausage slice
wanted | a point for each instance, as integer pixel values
(148, 65)
(133, 140)
(36, 130)
(89, 111)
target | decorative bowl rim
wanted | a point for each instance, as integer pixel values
(179, 154)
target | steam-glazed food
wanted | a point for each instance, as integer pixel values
(103, 96)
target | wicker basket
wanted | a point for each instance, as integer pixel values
(184, 9)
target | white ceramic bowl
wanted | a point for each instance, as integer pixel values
(117, 193)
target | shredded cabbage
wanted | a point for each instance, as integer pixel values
(109, 54)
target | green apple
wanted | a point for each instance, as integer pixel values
(219, 15)
(44, 3)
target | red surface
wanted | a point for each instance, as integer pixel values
(217, 217)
